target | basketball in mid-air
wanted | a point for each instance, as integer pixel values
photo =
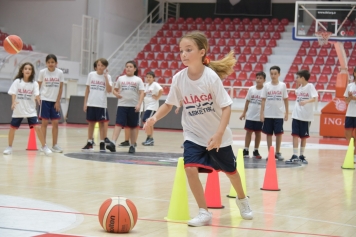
(13, 44)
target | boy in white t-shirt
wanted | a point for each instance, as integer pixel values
(251, 113)
(50, 82)
(99, 84)
(350, 119)
(303, 114)
(274, 109)
(153, 92)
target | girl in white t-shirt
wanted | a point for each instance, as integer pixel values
(350, 119)
(205, 117)
(50, 82)
(153, 92)
(25, 92)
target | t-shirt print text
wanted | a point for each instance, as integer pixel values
(198, 104)
(23, 94)
(97, 85)
(128, 85)
(274, 95)
(301, 96)
(255, 99)
(52, 82)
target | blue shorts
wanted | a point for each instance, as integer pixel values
(148, 114)
(350, 122)
(47, 111)
(16, 122)
(254, 126)
(207, 161)
(97, 114)
(273, 125)
(127, 116)
(300, 128)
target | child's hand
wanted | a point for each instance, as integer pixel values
(262, 118)
(286, 117)
(242, 117)
(149, 123)
(214, 142)
(106, 72)
(57, 106)
(177, 110)
(118, 96)
(85, 108)
(302, 103)
(14, 105)
(154, 97)
(137, 108)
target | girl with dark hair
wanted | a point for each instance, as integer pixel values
(25, 92)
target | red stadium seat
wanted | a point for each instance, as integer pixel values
(202, 27)
(226, 35)
(171, 20)
(180, 20)
(189, 20)
(147, 47)
(274, 21)
(247, 50)
(168, 33)
(237, 83)
(315, 69)
(251, 43)
(247, 67)
(280, 28)
(305, 44)
(246, 21)
(319, 86)
(226, 83)
(156, 48)
(166, 48)
(216, 34)
(166, 90)
(242, 94)
(309, 60)
(226, 50)
(153, 40)
(330, 86)
(167, 73)
(323, 52)
(174, 65)
(237, 67)
(236, 21)
(330, 61)
(248, 84)
(246, 35)
(348, 45)
(326, 70)
(161, 80)
(237, 50)
(312, 52)
(153, 64)
(170, 57)
(293, 69)
(298, 60)
(305, 67)
(221, 42)
(266, 35)
(270, 28)
(232, 76)
(284, 21)
(150, 56)
(242, 76)
(333, 53)
(226, 20)
(241, 42)
(315, 44)
(272, 43)
(208, 20)
(143, 64)
(260, 28)
(323, 79)
(319, 61)
(263, 59)
(162, 41)
(255, 21)
(302, 52)
(184, 27)
(265, 21)
(262, 43)
(241, 28)
(216, 50)
(258, 68)
(250, 28)
(217, 20)
(241, 58)
(276, 36)
(230, 27)
(140, 55)
(257, 51)
(158, 72)
(292, 95)
(221, 27)
(326, 97)
(289, 77)
(231, 42)
(199, 20)
(252, 59)
(163, 65)
(268, 51)
(212, 27)
(312, 78)
(160, 56)
(178, 34)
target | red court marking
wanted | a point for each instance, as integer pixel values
(57, 235)
(144, 219)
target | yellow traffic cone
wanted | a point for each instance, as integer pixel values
(240, 166)
(178, 207)
(349, 158)
(96, 125)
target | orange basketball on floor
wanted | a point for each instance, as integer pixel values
(118, 215)
(13, 44)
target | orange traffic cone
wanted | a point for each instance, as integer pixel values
(32, 144)
(212, 191)
(271, 183)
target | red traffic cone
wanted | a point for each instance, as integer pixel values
(212, 191)
(271, 183)
(32, 144)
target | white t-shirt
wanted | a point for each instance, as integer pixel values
(274, 94)
(305, 112)
(153, 89)
(26, 93)
(254, 107)
(202, 103)
(351, 108)
(97, 90)
(50, 84)
(129, 89)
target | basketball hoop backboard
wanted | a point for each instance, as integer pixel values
(339, 18)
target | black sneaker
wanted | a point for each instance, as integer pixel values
(88, 147)
(107, 141)
(125, 143)
(293, 160)
(256, 154)
(303, 160)
(132, 149)
(102, 147)
(143, 143)
(246, 154)
(111, 146)
(149, 142)
(135, 144)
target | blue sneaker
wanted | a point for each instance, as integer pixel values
(293, 160)
(303, 160)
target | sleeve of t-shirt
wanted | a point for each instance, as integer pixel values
(221, 96)
(40, 77)
(346, 94)
(313, 93)
(264, 92)
(13, 87)
(36, 90)
(117, 83)
(88, 80)
(61, 77)
(110, 80)
(158, 87)
(248, 96)
(141, 86)
(285, 93)
(174, 96)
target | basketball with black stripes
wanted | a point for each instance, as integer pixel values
(13, 44)
(118, 215)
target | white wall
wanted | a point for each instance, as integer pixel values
(45, 24)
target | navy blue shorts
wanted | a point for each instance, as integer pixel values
(300, 128)
(127, 116)
(97, 114)
(148, 114)
(47, 111)
(254, 126)
(350, 122)
(16, 122)
(197, 156)
(273, 125)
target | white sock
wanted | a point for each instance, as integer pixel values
(90, 140)
(302, 150)
(246, 148)
(295, 151)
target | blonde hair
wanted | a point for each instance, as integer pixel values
(223, 67)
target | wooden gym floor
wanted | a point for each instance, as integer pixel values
(61, 194)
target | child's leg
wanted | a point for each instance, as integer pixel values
(278, 142)
(11, 135)
(269, 141)
(236, 183)
(195, 186)
(105, 129)
(102, 130)
(295, 145)
(303, 142)
(257, 139)
(116, 133)
(44, 128)
(54, 132)
(40, 135)
(149, 131)
(133, 135)
(127, 133)
(248, 139)
(91, 126)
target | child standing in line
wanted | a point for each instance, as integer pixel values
(50, 82)
(303, 114)
(129, 90)
(251, 112)
(274, 108)
(99, 84)
(205, 118)
(350, 119)
(153, 92)
(25, 92)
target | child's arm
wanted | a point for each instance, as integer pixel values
(87, 90)
(350, 97)
(57, 105)
(180, 105)
(107, 83)
(156, 97)
(304, 102)
(262, 112)
(38, 100)
(215, 140)
(286, 105)
(243, 115)
(138, 106)
(14, 102)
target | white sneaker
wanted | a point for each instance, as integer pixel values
(245, 210)
(46, 150)
(41, 150)
(8, 151)
(203, 218)
(57, 149)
